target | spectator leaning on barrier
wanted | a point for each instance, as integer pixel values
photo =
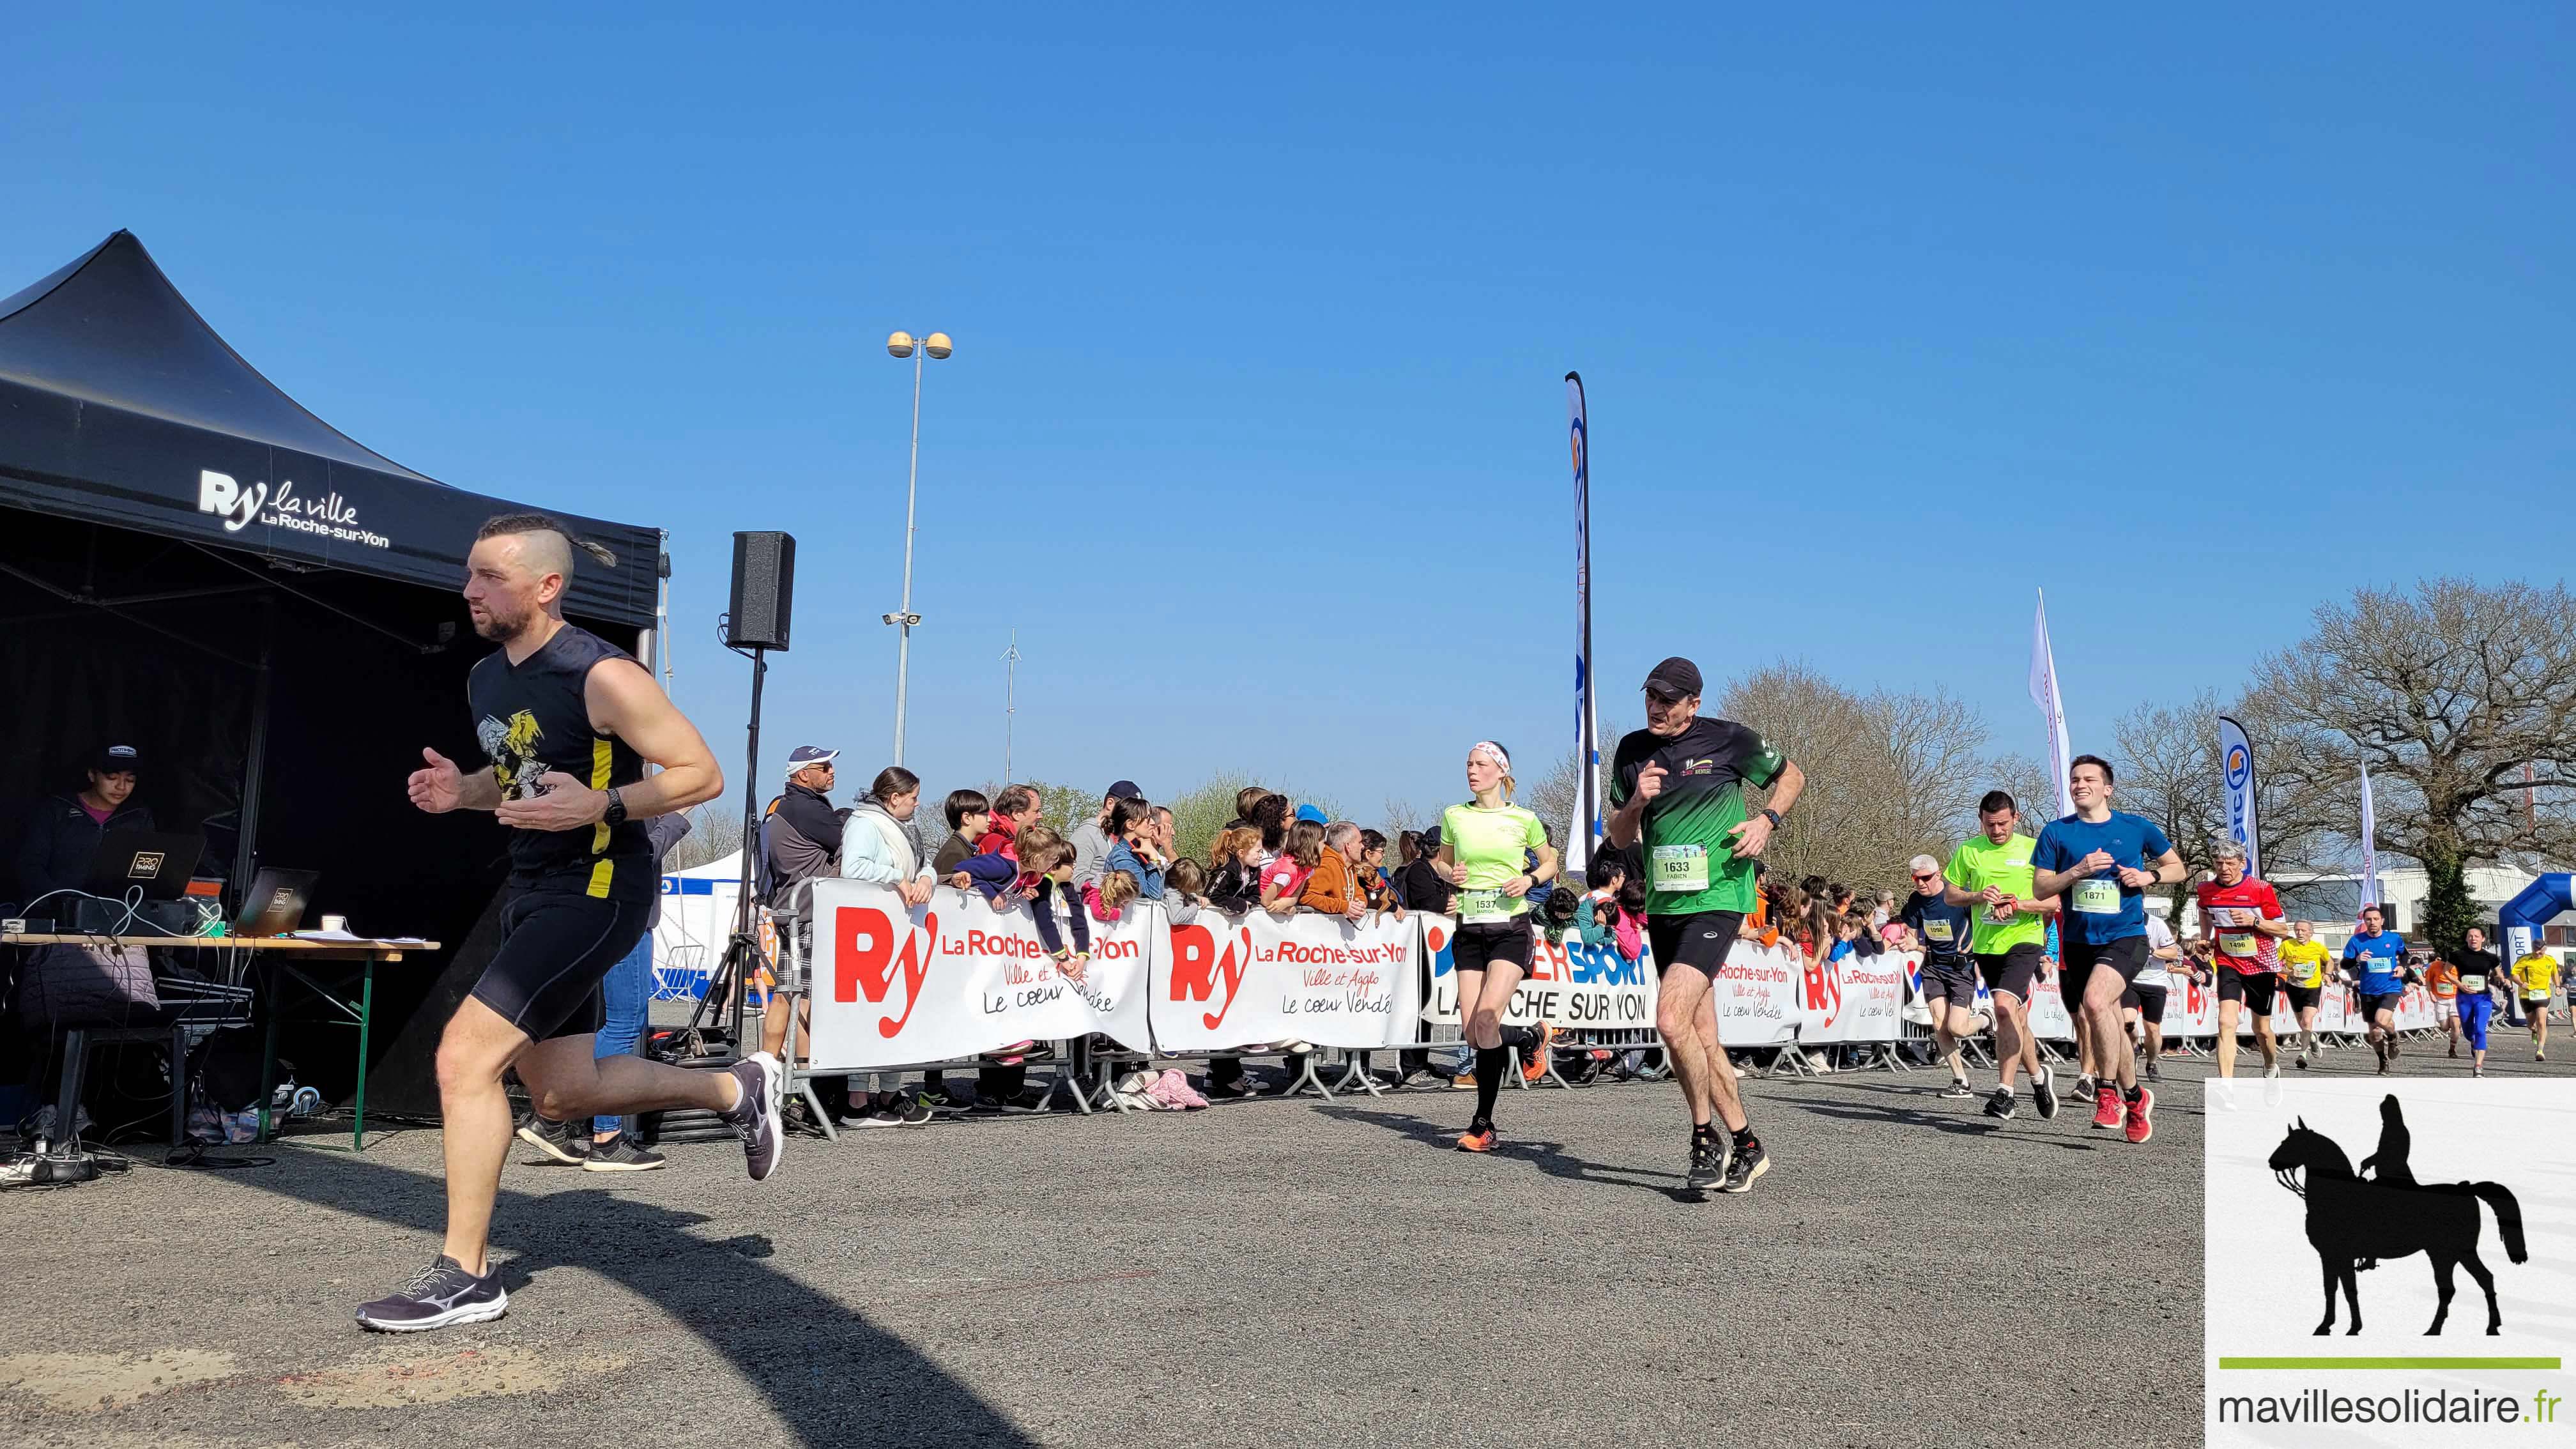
(969, 815)
(1091, 841)
(1333, 888)
(1135, 846)
(1234, 882)
(1284, 879)
(881, 845)
(800, 841)
(1419, 884)
(1270, 817)
(1246, 800)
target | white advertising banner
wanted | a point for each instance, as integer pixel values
(1854, 1000)
(895, 985)
(1757, 995)
(1234, 981)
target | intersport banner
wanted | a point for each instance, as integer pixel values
(1231, 981)
(897, 984)
(1585, 988)
(1570, 985)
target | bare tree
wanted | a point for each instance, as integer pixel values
(2169, 771)
(2461, 700)
(715, 831)
(1889, 774)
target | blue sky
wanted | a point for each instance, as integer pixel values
(1255, 429)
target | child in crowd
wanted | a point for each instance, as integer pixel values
(1284, 878)
(1008, 874)
(970, 818)
(1374, 881)
(1184, 891)
(1041, 876)
(1234, 885)
(1111, 896)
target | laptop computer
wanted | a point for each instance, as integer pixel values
(275, 902)
(160, 864)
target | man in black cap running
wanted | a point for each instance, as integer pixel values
(568, 722)
(1678, 784)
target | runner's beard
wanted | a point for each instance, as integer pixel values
(501, 628)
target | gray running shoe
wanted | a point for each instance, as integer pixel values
(621, 1154)
(2000, 1105)
(1748, 1163)
(1959, 1088)
(557, 1140)
(1707, 1163)
(755, 1118)
(442, 1296)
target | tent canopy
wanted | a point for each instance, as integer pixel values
(119, 405)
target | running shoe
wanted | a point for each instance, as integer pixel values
(917, 1112)
(1748, 1162)
(1027, 1104)
(2043, 1092)
(1535, 1067)
(2083, 1088)
(754, 1119)
(2106, 1108)
(2300, 1061)
(2455, 1050)
(2000, 1105)
(620, 1154)
(2271, 1071)
(442, 1296)
(940, 1103)
(1477, 1139)
(873, 1117)
(1231, 1090)
(1463, 1082)
(2142, 1116)
(2392, 1048)
(557, 1140)
(1959, 1088)
(1707, 1162)
(2153, 1075)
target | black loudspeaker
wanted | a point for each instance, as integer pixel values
(764, 584)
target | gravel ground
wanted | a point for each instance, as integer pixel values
(1265, 1272)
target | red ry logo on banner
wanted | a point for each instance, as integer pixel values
(1825, 990)
(866, 960)
(1196, 968)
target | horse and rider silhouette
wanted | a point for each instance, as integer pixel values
(2355, 1221)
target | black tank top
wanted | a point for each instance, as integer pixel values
(531, 719)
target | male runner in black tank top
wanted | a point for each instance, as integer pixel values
(568, 722)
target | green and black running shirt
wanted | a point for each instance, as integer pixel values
(1690, 863)
(532, 718)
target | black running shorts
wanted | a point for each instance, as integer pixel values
(2014, 971)
(2127, 955)
(2302, 998)
(2256, 990)
(2149, 1000)
(1955, 983)
(1479, 947)
(1699, 940)
(2372, 1006)
(556, 947)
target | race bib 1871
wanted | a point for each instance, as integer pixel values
(2098, 897)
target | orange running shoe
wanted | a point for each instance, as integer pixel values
(1536, 1067)
(1475, 1141)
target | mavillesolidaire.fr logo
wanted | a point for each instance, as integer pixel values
(2388, 1260)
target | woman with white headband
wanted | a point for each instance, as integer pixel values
(1485, 849)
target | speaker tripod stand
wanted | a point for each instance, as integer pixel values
(704, 1044)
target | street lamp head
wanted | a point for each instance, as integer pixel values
(900, 344)
(937, 345)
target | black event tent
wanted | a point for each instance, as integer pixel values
(193, 564)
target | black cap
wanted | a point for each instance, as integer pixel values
(1122, 790)
(118, 760)
(1675, 678)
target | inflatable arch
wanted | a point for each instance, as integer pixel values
(2523, 916)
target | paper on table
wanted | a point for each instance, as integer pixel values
(368, 940)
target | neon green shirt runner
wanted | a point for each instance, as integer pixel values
(1979, 863)
(1490, 847)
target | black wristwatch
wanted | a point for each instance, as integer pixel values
(1775, 817)
(615, 814)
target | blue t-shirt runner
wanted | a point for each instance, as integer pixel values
(2099, 909)
(2379, 961)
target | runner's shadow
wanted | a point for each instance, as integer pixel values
(1548, 1157)
(1916, 1117)
(783, 1338)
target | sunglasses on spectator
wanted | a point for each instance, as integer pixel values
(1922, 878)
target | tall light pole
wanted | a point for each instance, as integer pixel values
(901, 345)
